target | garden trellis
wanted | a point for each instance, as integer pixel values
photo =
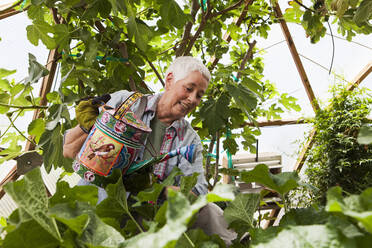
(54, 56)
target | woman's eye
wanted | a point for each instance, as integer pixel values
(189, 89)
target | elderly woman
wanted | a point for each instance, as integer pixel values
(186, 81)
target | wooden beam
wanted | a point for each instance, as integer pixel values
(296, 57)
(9, 13)
(44, 90)
(361, 76)
(276, 123)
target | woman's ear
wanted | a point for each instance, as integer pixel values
(169, 80)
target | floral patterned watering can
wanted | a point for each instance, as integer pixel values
(114, 142)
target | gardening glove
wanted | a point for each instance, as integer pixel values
(87, 111)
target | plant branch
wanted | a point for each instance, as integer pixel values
(24, 107)
(232, 7)
(12, 123)
(215, 175)
(208, 162)
(156, 71)
(248, 55)
(188, 239)
(304, 6)
(134, 220)
(187, 30)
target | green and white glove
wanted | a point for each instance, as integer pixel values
(87, 111)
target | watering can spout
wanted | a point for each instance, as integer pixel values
(188, 152)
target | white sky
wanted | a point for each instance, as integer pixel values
(349, 60)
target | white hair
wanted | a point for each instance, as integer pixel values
(183, 66)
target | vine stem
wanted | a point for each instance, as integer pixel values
(135, 222)
(188, 239)
(24, 107)
(12, 123)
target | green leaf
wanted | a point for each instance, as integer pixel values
(357, 207)
(178, 215)
(65, 194)
(5, 72)
(150, 194)
(243, 97)
(199, 239)
(4, 98)
(115, 205)
(293, 14)
(239, 213)
(172, 14)
(30, 195)
(39, 30)
(281, 183)
(215, 113)
(75, 223)
(365, 135)
(4, 85)
(188, 182)
(363, 13)
(95, 233)
(62, 36)
(35, 70)
(319, 236)
(51, 143)
(35, 12)
(36, 128)
(304, 216)
(30, 235)
(140, 32)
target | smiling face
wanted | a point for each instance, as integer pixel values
(182, 96)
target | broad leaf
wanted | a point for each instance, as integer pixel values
(363, 13)
(115, 205)
(319, 236)
(178, 215)
(94, 232)
(188, 182)
(357, 207)
(51, 144)
(65, 194)
(244, 98)
(35, 70)
(36, 128)
(239, 213)
(62, 36)
(172, 14)
(281, 183)
(5, 72)
(30, 195)
(30, 235)
(365, 135)
(199, 239)
(39, 30)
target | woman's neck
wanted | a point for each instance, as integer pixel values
(163, 114)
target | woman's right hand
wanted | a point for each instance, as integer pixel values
(74, 139)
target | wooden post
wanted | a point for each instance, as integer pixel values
(296, 57)
(44, 89)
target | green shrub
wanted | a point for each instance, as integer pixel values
(336, 158)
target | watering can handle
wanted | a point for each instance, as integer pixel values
(125, 105)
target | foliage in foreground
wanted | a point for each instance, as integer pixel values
(71, 217)
(336, 158)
